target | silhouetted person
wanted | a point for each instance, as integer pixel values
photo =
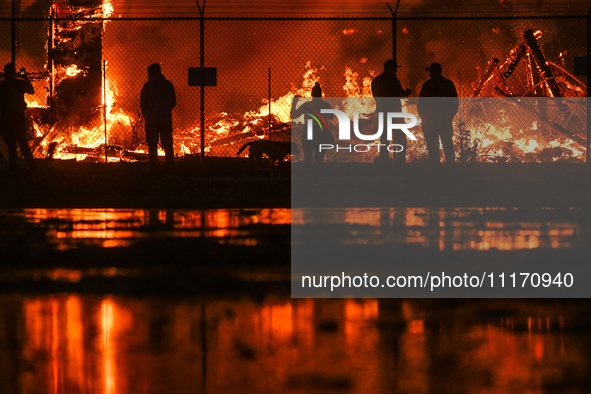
(437, 114)
(157, 100)
(387, 90)
(13, 123)
(313, 157)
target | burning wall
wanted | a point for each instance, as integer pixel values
(75, 61)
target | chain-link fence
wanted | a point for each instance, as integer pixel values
(276, 59)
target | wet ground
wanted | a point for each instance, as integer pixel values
(222, 183)
(197, 300)
(219, 183)
(83, 343)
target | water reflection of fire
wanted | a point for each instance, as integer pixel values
(90, 343)
(446, 229)
(72, 228)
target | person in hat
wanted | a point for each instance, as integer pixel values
(13, 122)
(157, 99)
(387, 90)
(313, 157)
(437, 114)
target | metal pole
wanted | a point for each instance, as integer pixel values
(202, 65)
(50, 63)
(588, 61)
(13, 33)
(269, 103)
(394, 28)
(105, 106)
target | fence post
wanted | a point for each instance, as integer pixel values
(50, 62)
(105, 109)
(202, 65)
(394, 39)
(13, 33)
(269, 137)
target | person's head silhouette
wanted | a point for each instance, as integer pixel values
(391, 66)
(154, 69)
(316, 90)
(434, 70)
(9, 71)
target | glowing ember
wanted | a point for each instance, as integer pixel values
(108, 8)
(72, 71)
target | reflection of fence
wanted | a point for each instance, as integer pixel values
(342, 54)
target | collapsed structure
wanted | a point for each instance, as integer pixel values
(555, 129)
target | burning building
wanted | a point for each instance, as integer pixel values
(79, 102)
(75, 62)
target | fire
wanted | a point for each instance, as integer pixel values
(494, 139)
(72, 70)
(281, 107)
(61, 73)
(32, 103)
(234, 130)
(108, 8)
(352, 88)
(526, 145)
(82, 141)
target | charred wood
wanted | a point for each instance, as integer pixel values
(545, 71)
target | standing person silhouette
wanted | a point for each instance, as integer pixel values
(313, 157)
(157, 99)
(13, 122)
(387, 90)
(437, 114)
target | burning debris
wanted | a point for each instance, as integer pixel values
(527, 73)
(542, 130)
